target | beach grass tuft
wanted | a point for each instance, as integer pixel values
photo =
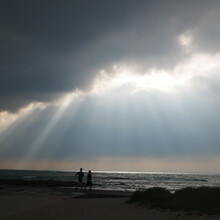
(201, 199)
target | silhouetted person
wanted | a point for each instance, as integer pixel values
(80, 176)
(89, 180)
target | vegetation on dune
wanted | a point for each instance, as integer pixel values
(201, 199)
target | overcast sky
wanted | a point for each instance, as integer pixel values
(110, 85)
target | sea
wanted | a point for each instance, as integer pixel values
(121, 181)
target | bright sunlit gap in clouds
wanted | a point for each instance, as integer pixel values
(155, 79)
(124, 76)
(194, 64)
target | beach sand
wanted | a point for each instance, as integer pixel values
(17, 202)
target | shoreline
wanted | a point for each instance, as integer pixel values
(37, 202)
(63, 191)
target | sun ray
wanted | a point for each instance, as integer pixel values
(63, 104)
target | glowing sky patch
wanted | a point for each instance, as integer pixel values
(7, 118)
(179, 76)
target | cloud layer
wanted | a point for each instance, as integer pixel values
(47, 51)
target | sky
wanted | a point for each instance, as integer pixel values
(110, 85)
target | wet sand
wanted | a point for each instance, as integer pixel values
(17, 202)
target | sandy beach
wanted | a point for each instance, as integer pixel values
(18, 202)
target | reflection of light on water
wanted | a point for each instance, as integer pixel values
(132, 182)
(123, 181)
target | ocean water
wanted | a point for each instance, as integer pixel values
(122, 181)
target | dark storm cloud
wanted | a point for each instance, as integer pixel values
(51, 47)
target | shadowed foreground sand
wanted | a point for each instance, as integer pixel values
(53, 203)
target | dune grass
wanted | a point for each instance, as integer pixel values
(202, 199)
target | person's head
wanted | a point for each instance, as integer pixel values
(89, 171)
(81, 169)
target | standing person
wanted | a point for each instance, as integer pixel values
(89, 180)
(80, 176)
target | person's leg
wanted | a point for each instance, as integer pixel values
(77, 185)
(90, 184)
